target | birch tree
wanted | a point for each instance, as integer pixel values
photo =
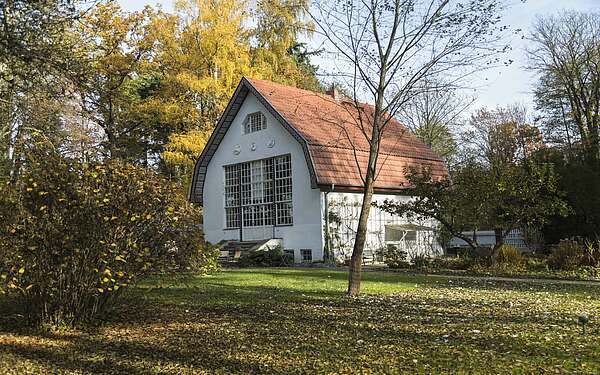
(384, 49)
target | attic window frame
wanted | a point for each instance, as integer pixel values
(255, 122)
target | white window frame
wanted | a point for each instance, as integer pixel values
(261, 196)
(254, 122)
(232, 196)
(405, 235)
(303, 253)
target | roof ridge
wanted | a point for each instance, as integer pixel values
(323, 95)
(282, 85)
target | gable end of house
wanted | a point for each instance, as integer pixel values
(244, 88)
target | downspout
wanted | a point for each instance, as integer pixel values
(328, 257)
(240, 214)
(274, 205)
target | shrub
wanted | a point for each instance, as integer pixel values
(567, 255)
(450, 263)
(591, 254)
(508, 256)
(421, 262)
(74, 235)
(393, 257)
(270, 257)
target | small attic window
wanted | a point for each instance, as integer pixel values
(255, 122)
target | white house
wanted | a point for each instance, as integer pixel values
(284, 164)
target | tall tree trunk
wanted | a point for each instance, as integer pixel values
(499, 241)
(354, 277)
(14, 151)
(594, 146)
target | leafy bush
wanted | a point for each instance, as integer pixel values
(73, 236)
(450, 263)
(393, 257)
(570, 255)
(508, 256)
(536, 263)
(271, 257)
(567, 255)
(421, 262)
(591, 254)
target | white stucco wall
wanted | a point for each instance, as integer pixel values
(347, 208)
(275, 140)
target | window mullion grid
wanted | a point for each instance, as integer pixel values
(232, 196)
(260, 191)
(283, 190)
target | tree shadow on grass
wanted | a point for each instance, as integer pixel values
(328, 274)
(266, 304)
(102, 355)
(482, 285)
(183, 326)
(279, 317)
(190, 348)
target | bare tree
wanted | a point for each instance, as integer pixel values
(385, 49)
(566, 54)
(501, 137)
(436, 117)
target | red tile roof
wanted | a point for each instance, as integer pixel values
(331, 137)
(332, 129)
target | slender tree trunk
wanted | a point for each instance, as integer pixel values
(112, 147)
(499, 241)
(360, 240)
(499, 238)
(14, 152)
(354, 277)
(594, 146)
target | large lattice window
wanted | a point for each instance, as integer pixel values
(283, 190)
(259, 193)
(232, 196)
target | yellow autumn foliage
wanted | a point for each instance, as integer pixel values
(164, 79)
(183, 150)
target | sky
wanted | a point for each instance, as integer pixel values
(499, 86)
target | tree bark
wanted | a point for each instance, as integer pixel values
(354, 277)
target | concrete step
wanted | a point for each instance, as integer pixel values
(232, 250)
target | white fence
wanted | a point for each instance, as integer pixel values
(488, 238)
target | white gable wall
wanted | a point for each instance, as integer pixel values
(275, 140)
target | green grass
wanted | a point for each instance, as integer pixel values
(298, 321)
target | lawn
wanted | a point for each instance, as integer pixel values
(297, 321)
